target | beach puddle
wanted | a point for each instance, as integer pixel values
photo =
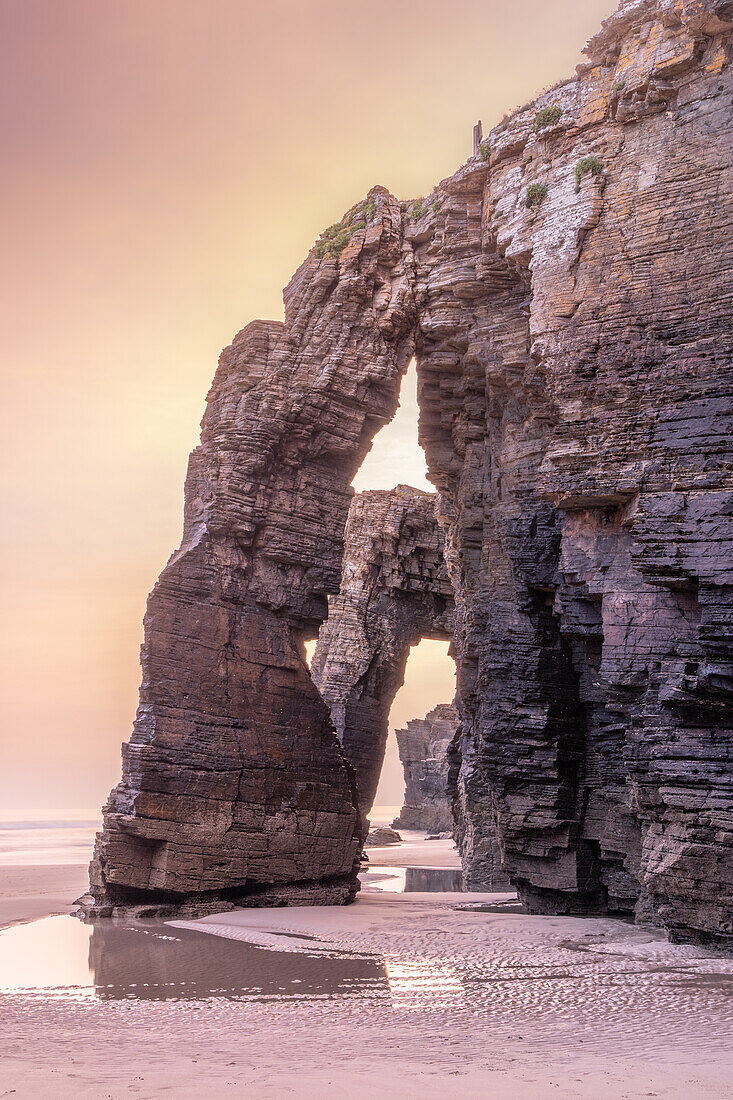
(62, 958)
(408, 880)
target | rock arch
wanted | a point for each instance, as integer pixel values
(574, 355)
(234, 785)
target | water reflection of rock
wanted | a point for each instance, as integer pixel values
(432, 880)
(150, 961)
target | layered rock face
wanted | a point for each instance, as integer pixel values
(394, 591)
(423, 746)
(574, 356)
(567, 294)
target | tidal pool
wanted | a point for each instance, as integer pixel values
(61, 957)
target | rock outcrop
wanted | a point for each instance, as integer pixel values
(568, 297)
(423, 747)
(394, 591)
(381, 836)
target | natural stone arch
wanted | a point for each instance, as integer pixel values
(394, 591)
(574, 384)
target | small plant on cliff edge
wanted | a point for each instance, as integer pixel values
(548, 116)
(536, 194)
(484, 151)
(333, 240)
(619, 85)
(339, 242)
(416, 210)
(587, 166)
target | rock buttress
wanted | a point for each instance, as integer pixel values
(574, 290)
(394, 591)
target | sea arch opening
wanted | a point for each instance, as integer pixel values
(382, 657)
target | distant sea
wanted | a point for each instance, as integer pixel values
(47, 837)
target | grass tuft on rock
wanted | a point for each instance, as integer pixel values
(548, 116)
(334, 240)
(536, 194)
(591, 165)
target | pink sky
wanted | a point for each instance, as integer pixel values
(167, 164)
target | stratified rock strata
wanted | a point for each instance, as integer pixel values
(423, 748)
(568, 296)
(394, 591)
(574, 359)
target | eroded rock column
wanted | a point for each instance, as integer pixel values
(423, 747)
(394, 592)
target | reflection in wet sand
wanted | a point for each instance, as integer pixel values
(408, 880)
(136, 961)
(417, 983)
(147, 960)
(454, 959)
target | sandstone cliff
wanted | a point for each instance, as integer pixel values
(568, 296)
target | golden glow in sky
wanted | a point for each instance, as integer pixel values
(167, 165)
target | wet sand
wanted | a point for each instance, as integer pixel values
(32, 892)
(439, 995)
(415, 851)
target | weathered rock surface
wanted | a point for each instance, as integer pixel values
(569, 297)
(394, 591)
(423, 748)
(574, 357)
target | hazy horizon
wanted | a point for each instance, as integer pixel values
(166, 172)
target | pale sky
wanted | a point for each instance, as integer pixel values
(167, 164)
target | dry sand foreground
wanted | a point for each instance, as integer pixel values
(471, 1004)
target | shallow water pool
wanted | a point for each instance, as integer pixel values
(61, 957)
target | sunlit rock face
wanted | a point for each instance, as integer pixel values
(567, 294)
(423, 747)
(394, 591)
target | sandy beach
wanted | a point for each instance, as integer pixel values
(451, 995)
